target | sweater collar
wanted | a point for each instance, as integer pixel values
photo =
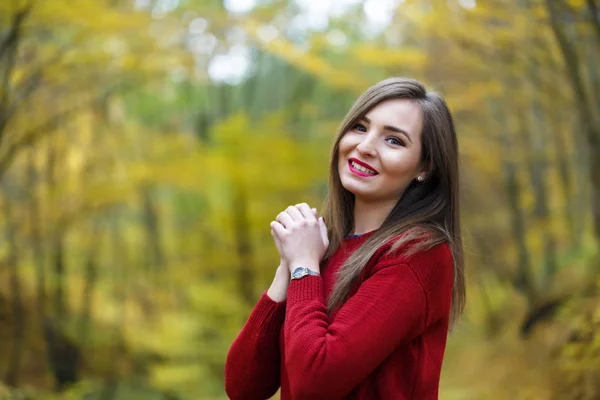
(360, 236)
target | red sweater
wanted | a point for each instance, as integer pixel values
(386, 342)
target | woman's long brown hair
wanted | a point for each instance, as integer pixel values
(427, 211)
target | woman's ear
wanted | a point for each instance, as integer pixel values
(424, 171)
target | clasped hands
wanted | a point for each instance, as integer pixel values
(300, 236)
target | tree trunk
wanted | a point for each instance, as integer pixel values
(36, 238)
(522, 280)
(18, 324)
(154, 252)
(594, 15)
(241, 226)
(58, 262)
(56, 243)
(537, 169)
(118, 261)
(570, 189)
(64, 355)
(89, 285)
(9, 48)
(584, 105)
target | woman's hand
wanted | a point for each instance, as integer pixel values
(301, 236)
(278, 289)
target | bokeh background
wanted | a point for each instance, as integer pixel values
(145, 145)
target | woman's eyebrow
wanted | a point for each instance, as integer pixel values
(391, 128)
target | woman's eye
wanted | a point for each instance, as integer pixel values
(395, 141)
(359, 127)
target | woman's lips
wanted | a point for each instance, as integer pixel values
(364, 165)
(359, 173)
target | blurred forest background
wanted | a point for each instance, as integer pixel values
(145, 145)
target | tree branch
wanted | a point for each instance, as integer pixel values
(15, 28)
(571, 60)
(37, 132)
(8, 50)
(594, 18)
(26, 89)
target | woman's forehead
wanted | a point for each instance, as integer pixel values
(403, 114)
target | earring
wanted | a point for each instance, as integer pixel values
(420, 178)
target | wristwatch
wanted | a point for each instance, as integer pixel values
(301, 272)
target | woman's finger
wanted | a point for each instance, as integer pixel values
(323, 229)
(306, 211)
(279, 229)
(294, 213)
(276, 240)
(284, 219)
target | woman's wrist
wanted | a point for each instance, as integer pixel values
(283, 264)
(312, 265)
(278, 289)
(277, 293)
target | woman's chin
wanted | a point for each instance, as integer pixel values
(359, 193)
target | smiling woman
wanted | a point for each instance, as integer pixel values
(380, 146)
(364, 297)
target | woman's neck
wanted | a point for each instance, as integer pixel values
(370, 216)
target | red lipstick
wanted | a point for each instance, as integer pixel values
(360, 173)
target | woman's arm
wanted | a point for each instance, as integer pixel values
(393, 306)
(252, 368)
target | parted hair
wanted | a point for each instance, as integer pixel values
(427, 213)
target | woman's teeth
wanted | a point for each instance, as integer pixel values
(362, 169)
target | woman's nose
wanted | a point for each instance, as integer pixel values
(366, 146)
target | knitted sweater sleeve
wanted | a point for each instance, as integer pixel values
(327, 360)
(252, 367)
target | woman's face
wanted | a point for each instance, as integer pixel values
(380, 155)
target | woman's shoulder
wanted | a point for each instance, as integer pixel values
(416, 249)
(432, 265)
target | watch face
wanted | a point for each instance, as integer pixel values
(297, 273)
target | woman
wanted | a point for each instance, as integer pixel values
(376, 282)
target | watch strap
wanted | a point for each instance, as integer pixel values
(301, 272)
